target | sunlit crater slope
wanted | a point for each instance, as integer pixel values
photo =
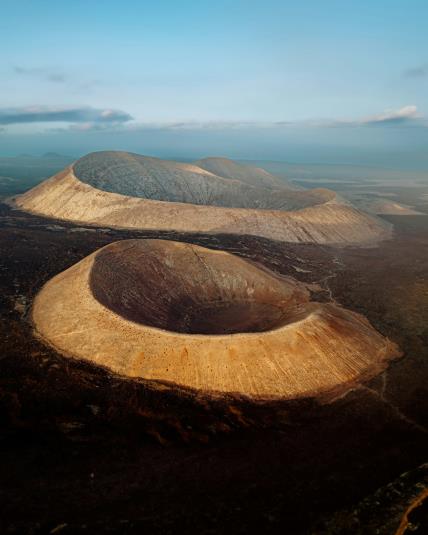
(214, 195)
(206, 320)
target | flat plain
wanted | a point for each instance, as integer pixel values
(81, 446)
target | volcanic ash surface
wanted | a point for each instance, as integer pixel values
(206, 320)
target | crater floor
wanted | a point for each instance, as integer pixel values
(187, 289)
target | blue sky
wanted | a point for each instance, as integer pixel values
(269, 78)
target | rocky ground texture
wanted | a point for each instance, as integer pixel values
(85, 451)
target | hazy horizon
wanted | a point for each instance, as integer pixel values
(265, 81)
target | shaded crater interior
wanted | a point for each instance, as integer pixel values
(163, 180)
(187, 289)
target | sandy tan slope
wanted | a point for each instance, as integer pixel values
(173, 292)
(323, 218)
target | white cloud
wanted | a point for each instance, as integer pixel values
(47, 114)
(85, 119)
(403, 114)
(417, 72)
(49, 74)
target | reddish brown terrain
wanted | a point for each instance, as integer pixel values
(85, 451)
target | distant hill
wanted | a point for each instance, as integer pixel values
(254, 176)
(389, 207)
(54, 155)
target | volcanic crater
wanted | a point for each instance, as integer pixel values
(213, 195)
(190, 290)
(207, 320)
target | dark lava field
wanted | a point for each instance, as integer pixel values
(84, 451)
